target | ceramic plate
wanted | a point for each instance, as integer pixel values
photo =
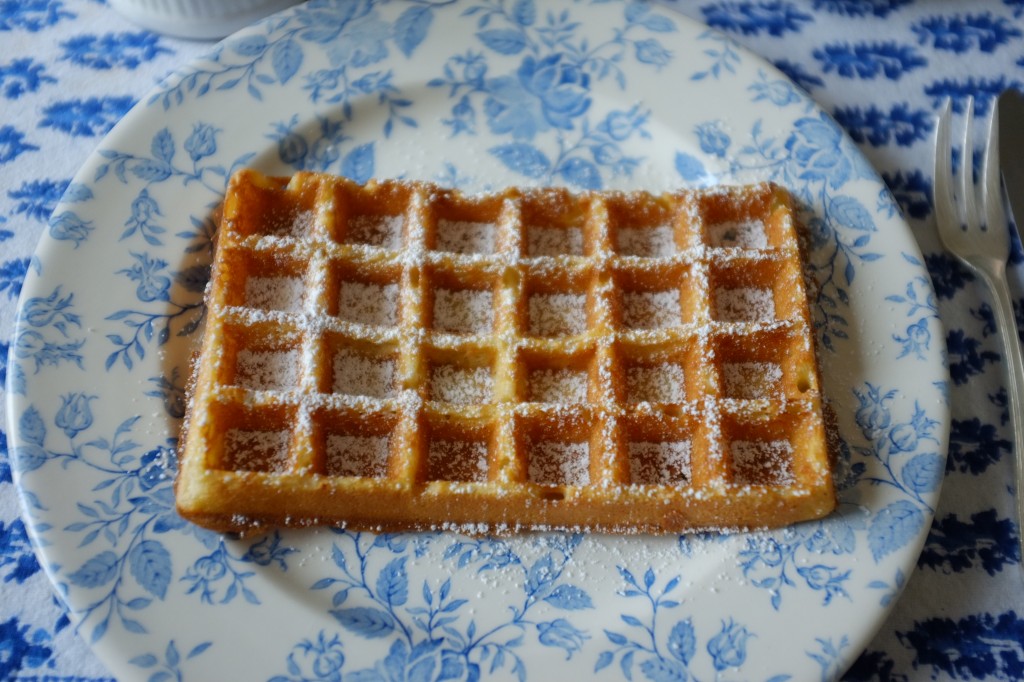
(477, 94)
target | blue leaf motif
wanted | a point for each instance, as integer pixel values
(97, 571)
(505, 41)
(640, 13)
(199, 649)
(569, 597)
(524, 12)
(851, 213)
(411, 28)
(923, 472)
(359, 163)
(663, 670)
(689, 167)
(152, 170)
(682, 642)
(393, 583)
(523, 158)
(150, 564)
(162, 146)
(32, 427)
(894, 527)
(368, 622)
(581, 173)
(144, 661)
(251, 46)
(77, 192)
(286, 59)
(29, 457)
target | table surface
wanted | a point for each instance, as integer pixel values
(69, 69)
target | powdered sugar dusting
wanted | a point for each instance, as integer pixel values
(274, 293)
(453, 384)
(295, 224)
(463, 311)
(744, 304)
(463, 236)
(655, 383)
(747, 234)
(646, 242)
(651, 309)
(766, 462)
(563, 386)
(246, 450)
(367, 303)
(457, 460)
(357, 455)
(356, 374)
(559, 463)
(659, 463)
(554, 241)
(267, 370)
(751, 380)
(558, 314)
(383, 231)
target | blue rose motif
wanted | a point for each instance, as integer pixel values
(713, 140)
(903, 438)
(144, 208)
(545, 93)
(293, 148)
(319, 660)
(652, 52)
(780, 93)
(561, 87)
(917, 340)
(156, 467)
(69, 227)
(728, 648)
(202, 142)
(620, 125)
(816, 153)
(74, 414)
(268, 551)
(560, 633)
(825, 579)
(41, 312)
(209, 568)
(152, 286)
(873, 416)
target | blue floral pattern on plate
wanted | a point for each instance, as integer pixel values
(478, 94)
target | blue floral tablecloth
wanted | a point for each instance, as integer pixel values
(69, 69)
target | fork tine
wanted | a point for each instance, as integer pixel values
(992, 194)
(965, 181)
(942, 177)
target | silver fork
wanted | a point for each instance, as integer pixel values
(980, 237)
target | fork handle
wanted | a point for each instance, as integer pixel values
(1007, 324)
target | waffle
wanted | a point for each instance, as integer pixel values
(400, 356)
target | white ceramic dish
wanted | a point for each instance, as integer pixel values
(476, 94)
(197, 19)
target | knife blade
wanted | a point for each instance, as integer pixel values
(1010, 109)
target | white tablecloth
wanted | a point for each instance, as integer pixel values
(69, 69)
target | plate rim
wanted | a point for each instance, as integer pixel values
(125, 128)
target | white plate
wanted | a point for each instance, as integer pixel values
(478, 94)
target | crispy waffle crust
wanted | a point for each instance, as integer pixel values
(397, 355)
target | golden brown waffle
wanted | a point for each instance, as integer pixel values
(402, 356)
